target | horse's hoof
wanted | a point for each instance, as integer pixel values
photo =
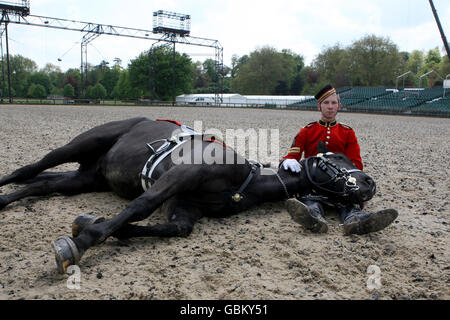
(375, 222)
(82, 221)
(66, 253)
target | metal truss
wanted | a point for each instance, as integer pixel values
(93, 30)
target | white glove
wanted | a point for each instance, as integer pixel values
(292, 165)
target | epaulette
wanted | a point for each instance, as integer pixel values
(345, 126)
(310, 124)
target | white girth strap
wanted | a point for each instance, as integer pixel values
(180, 139)
(146, 174)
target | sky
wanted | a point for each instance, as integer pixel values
(241, 26)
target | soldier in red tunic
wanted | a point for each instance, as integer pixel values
(339, 138)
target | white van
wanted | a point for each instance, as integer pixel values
(202, 101)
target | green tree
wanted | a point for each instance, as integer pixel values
(96, 73)
(206, 77)
(201, 79)
(444, 67)
(161, 70)
(56, 91)
(295, 63)
(433, 56)
(313, 81)
(415, 62)
(267, 72)
(123, 88)
(432, 60)
(73, 77)
(55, 74)
(69, 91)
(209, 69)
(375, 61)
(37, 91)
(96, 92)
(42, 79)
(332, 64)
(110, 78)
(236, 63)
(21, 70)
(30, 90)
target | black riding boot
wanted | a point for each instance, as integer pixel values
(356, 221)
(308, 213)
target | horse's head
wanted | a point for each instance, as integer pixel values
(335, 176)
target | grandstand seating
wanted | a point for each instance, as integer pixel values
(362, 93)
(436, 107)
(429, 101)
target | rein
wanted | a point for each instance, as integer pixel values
(334, 172)
(281, 182)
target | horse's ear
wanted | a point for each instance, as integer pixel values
(321, 147)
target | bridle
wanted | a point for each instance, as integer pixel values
(255, 170)
(334, 172)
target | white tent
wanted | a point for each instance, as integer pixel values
(234, 99)
(205, 99)
(275, 100)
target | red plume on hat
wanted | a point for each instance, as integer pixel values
(324, 93)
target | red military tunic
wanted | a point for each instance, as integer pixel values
(338, 137)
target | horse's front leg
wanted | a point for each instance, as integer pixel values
(181, 214)
(69, 250)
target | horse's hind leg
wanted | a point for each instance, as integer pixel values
(86, 148)
(68, 183)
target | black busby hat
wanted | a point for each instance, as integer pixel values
(324, 93)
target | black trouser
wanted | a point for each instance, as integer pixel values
(316, 203)
(345, 211)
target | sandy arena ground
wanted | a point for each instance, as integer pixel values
(259, 254)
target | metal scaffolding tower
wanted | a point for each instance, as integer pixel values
(16, 9)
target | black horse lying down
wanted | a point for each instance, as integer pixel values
(186, 182)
